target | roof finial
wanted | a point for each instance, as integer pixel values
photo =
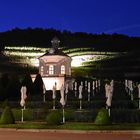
(55, 42)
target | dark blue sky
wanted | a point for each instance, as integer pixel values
(92, 16)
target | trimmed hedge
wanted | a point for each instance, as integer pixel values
(54, 118)
(27, 113)
(102, 117)
(7, 116)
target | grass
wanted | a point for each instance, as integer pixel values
(92, 126)
(72, 126)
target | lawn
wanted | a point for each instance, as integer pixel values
(72, 126)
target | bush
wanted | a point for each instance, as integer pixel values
(102, 117)
(54, 118)
(27, 114)
(82, 116)
(7, 116)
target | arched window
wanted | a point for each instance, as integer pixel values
(51, 69)
(62, 69)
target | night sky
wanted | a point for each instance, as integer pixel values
(91, 16)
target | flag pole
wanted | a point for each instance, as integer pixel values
(80, 104)
(53, 104)
(63, 114)
(22, 115)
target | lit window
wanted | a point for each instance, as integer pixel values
(62, 69)
(41, 70)
(51, 69)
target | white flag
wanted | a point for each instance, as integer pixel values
(67, 88)
(23, 92)
(89, 87)
(62, 100)
(23, 95)
(80, 91)
(108, 94)
(54, 92)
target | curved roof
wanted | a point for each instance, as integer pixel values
(56, 52)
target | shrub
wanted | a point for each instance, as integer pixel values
(102, 117)
(27, 114)
(54, 118)
(13, 88)
(7, 116)
(38, 85)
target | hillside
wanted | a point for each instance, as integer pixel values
(124, 66)
(41, 38)
(94, 64)
(110, 54)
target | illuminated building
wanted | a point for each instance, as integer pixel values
(55, 66)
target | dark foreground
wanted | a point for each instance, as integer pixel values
(44, 135)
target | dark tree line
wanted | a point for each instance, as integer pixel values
(41, 38)
(10, 86)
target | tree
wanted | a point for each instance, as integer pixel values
(38, 85)
(4, 82)
(27, 81)
(102, 117)
(7, 116)
(13, 89)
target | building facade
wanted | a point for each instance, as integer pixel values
(55, 66)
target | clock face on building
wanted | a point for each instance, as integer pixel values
(51, 50)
